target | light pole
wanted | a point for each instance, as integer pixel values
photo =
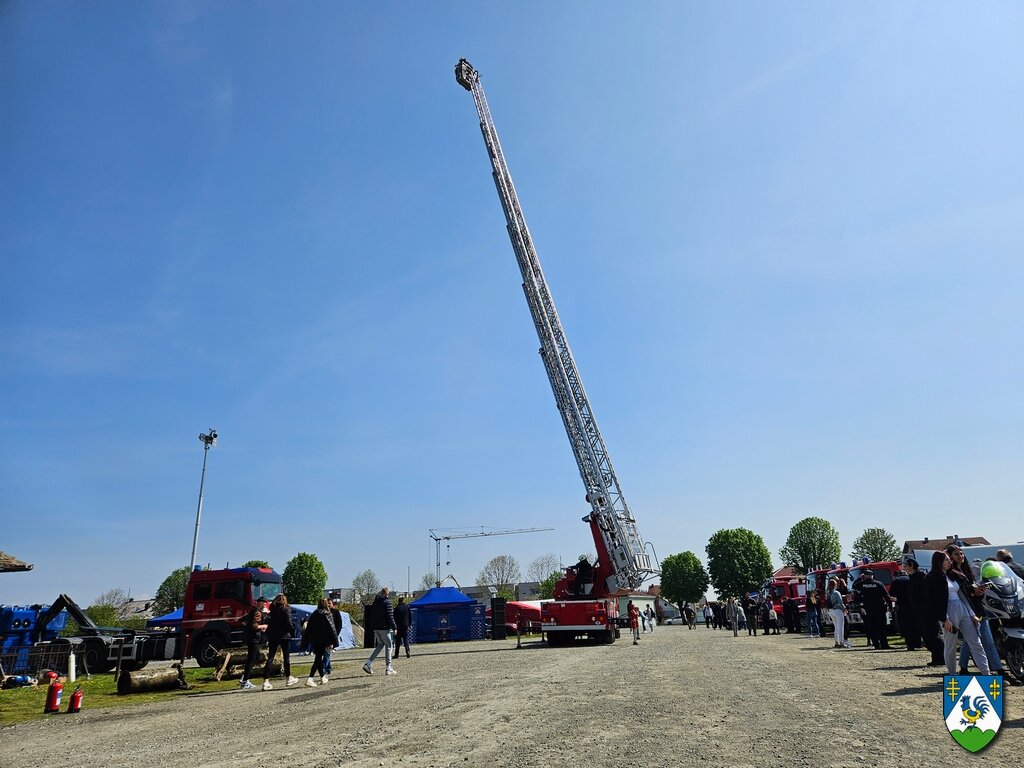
(207, 440)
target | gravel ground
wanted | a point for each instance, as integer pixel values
(682, 697)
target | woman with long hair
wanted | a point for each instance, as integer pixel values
(321, 633)
(947, 591)
(279, 635)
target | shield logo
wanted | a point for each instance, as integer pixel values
(973, 708)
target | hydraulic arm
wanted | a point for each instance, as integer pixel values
(623, 560)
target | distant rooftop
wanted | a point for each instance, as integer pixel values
(9, 564)
(926, 543)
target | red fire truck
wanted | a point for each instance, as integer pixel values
(779, 590)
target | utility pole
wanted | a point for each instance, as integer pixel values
(208, 440)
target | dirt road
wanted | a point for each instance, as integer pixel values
(682, 697)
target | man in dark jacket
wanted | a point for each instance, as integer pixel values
(1005, 556)
(403, 618)
(382, 614)
(253, 628)
(874, 602)
(927, 627)
(899, 591)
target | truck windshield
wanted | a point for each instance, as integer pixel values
(267, 589)
(882, 576)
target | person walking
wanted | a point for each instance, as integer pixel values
(403, 620)
(732, 611)
(336, 615)
(708, 614)
(949, 603)
(927, 627)
(837, 610)
(634, 621)
(321, 634)
(651, 617)
(279, 635)
(252, 628)
(874, 604)
(383, 614)
(899, 591)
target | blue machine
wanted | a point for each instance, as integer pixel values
(17, 631)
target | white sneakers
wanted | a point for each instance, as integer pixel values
(267, 686)
(367, 668)
(323, 679)
(291, 681)
(390, 671)
(310, 682)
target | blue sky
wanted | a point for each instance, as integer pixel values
(785, 242)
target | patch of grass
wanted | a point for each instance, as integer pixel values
(21, 705)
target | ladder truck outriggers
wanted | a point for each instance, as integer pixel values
(586, 598)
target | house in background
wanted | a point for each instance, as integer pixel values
(11, 564)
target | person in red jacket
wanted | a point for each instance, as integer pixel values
(634, 621)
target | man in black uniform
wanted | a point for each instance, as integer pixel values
(899, 591)
(927, 627)
(403, 618)
(874, 601)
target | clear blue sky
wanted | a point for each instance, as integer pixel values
(785, 241)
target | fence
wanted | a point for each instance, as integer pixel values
(33, 659)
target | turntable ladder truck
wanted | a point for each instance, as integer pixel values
(586, 598)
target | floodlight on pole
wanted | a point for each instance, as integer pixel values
(209, 439)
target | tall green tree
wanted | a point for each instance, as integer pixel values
(683, 578)
(812, 543)
(304, 579)
(738, 561)
(171, 592)
(878, 544)
(256, 564)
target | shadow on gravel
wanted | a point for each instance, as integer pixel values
(1013, 723)
(320, 693)
(936, 686)
(526, 647)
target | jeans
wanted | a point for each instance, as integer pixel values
(381, 642)
(318, 661)
(813, 625)
(988, 643)
(402, 638)
(253, 653)
(962, 618)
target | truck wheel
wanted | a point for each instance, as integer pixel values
(608, 636)
(94, 656)
(206, 648)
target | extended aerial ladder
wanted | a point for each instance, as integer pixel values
(623, 559)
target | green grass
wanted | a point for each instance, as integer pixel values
(21, 705)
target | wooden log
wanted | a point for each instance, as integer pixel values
(151, 680)
(231, 663)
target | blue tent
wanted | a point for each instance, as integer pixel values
(443, 614)
(172, 619)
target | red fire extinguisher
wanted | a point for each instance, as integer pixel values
(75, 704)
(53, 696)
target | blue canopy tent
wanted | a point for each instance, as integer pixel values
(445, 613)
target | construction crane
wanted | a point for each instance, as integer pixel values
(439, 537)
(623, 559)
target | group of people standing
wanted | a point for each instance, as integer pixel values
(637, 619)
(938, 611)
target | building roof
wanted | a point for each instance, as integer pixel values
(926, 543)
(785, 572)
(9, 563)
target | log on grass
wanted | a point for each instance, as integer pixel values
(230, 662)
(142, 680)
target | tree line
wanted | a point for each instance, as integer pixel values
(739, 561)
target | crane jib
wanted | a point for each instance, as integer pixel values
(609, 513)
